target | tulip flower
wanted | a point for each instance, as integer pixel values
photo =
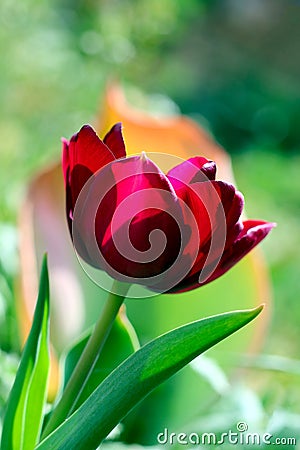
(169, 232)
(43, 226)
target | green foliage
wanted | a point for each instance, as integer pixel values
(8, 269)
(271, 185)
(24, 411)
(139, 375)
(9, 364)
(120, 343)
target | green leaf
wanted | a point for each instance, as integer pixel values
(121, 342)
(24, 412)
(130, 382)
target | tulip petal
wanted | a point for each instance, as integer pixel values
(211, 203)
(123, 178)
(216, 207)
(233, 214)
(87, 149)
(193, 170)
(86, 154)
(115, 142)
(122, 205)
(150, 246)
(253, 233)
(69, 204)
(65, 160)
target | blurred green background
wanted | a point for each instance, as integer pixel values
(233, 65)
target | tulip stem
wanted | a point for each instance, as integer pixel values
(67, 403)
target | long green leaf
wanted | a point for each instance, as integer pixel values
(23, 417)
(130, 382)
(121, 342)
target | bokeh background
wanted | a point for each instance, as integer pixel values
(232, 65)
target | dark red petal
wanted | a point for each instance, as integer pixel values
(69, 203)
(233, 213)
(132, 175)
(253, 233)
(216, 206)
(129, 177)
(250, 224)
(204, 203)
(155, 239)
(65, 160)
(115, 142)
(87, 154)
(67, 181)
(127, 197)
(193, 170)
(87, 149)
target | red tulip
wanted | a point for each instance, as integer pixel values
(170, 232)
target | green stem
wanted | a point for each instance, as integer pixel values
(88, 359)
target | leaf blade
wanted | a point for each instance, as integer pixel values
(23, 407)
(121, 342)
(138, 375)
(38, 388)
